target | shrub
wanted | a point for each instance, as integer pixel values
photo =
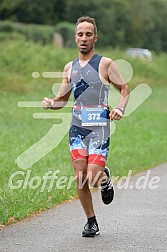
(36, 33)
(67, 32)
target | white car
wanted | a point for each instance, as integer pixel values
(139, 53)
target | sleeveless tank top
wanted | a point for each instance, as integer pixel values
(87, 87)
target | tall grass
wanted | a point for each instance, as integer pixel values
(138, 143)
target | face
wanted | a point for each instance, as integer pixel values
(85, 37)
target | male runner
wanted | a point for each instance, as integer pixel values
(88, 77)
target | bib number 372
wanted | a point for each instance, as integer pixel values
(94, 117)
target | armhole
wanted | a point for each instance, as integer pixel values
(73, 62)
(103, 80)
(99, 63)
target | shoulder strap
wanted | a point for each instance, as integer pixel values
(74, 61)
(94, 62)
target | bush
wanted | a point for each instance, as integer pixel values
(67, 32)
(36, 33)
(11, 36)
(6, 26)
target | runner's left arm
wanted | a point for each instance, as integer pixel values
(116, 79)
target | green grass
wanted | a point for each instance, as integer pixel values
(139, 142)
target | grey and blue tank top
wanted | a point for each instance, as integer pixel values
(87, 87)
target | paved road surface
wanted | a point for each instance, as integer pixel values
(135, 221)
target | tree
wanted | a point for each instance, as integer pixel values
(121, 23)
(33, 11)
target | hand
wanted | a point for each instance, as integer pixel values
(115, 114)
(47, 103)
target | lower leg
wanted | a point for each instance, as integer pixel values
(83, 191)
(85, 198)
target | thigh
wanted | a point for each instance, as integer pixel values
(94, 174)
(99, 146)
(94, 169)
(78, 142)
(80, 170)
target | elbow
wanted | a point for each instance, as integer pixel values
(125, 90)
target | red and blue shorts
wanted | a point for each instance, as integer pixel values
(90, 143)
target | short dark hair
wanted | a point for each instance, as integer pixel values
(87, 19)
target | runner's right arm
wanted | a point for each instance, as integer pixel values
(63, 95)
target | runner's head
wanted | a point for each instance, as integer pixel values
(86, 19)
(85, 34)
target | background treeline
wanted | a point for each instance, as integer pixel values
(121, 23)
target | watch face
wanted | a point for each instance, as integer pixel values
(121, 109)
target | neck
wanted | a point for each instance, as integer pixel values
(86, 56)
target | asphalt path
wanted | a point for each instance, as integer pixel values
(135, 221)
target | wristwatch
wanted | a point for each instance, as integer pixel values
(121, 108)
(51, 104)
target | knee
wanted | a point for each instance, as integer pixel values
(80, 177)
(80, 171)
(94, 178)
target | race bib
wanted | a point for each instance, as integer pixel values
(94, 116)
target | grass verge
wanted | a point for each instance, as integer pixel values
(138, 143)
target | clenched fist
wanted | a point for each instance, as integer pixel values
(115, 114)
(47, 103)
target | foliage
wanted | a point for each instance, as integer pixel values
(67, 31)
(36, 33)
(121, 23)
(38, 11)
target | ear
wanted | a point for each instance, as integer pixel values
(75, 38)
(96, 38)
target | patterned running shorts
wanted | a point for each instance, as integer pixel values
(91, 143)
